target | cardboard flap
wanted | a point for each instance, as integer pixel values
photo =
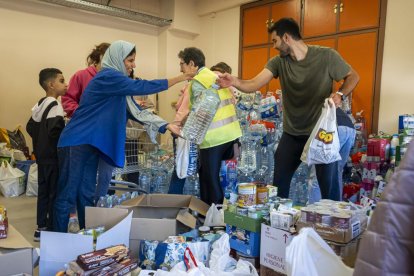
(108, 217)
(119, 234)
(135, 201)
(14, 240)
(199, 206)
(186, 218)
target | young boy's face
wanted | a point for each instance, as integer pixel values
(59, 85)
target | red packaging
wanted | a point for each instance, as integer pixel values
(378, 149)
(351, 192)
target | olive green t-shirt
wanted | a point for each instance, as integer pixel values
(305, 85)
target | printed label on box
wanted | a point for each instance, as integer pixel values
(356, 229)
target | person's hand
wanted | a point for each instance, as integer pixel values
(225, 80)
(336, 99)
(175, 130)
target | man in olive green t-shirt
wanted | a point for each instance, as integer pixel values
(306, 76)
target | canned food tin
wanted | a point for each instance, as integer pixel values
(262, 194)
(324, 217)
(247, 195)
(242, 211)
(341, 220)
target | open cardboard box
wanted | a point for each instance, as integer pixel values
(17, 255)
(157, 216)
(57, 249)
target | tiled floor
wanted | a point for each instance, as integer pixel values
(21, 212)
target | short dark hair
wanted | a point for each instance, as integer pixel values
(47, 74)
(286, 25)
(95, 56)
(221, 67)
(194, 54)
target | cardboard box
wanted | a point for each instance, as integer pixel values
(17, 255)
(273, 248)
(348, 251)
(329, 233)
(157, 216)
(265, 271)
(244, 233)
(244, 241)
(57, 249)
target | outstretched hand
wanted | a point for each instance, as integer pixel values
(175, 130)
(225, 80)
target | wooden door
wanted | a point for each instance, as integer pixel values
(254, 60)
(356, 14)
(289, 8)
(320, 17)
(254, 26)
(359, 50)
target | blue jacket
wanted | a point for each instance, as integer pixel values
(100, 119)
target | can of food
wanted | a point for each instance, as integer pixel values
(286, 202)
(247, 195)
(341, 220)
(262, 194)
(242, 211)
(203, 230)
(252, 213)
(324, 217)
(343, 205)
(219, 229)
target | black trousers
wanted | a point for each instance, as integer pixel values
(210, 160)
(287, 160)
(48, 175)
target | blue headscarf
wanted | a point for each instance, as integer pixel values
(116, 54)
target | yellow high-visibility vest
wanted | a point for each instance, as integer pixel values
(225, 126)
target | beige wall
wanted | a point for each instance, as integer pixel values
(397, 93)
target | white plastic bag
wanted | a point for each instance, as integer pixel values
(308, 254)
(32, 182)
(186, 158)
(323, 145)
(214, 216)
(11, 180)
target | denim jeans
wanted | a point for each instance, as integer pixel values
(77, 182)
(176, 184)
(103, 179)
(346, 140)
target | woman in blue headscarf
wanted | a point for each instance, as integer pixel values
(97, 130)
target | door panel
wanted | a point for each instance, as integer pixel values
(359, 51)
(254, 26)
(319, 17)
(254, 60)
(359, 14)
(289, 8)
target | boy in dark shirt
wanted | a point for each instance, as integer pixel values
(45, 126)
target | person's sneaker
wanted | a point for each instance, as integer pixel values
(36, 236)
(73, 225)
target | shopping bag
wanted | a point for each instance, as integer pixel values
(323, 145)
(214, 216)
(11, 180)
(32, 182)
(186, 158)
(308, 254)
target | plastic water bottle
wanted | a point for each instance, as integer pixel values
(159, 181)
(192, 186)
(395, 142)
(101, 202)
(231, 180)
(145, 181)
(201, 115)
(361, 132)
(248, 154)
(223, 175)
(73, 225)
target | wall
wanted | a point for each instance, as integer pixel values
(35, 36)
(397, 93)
